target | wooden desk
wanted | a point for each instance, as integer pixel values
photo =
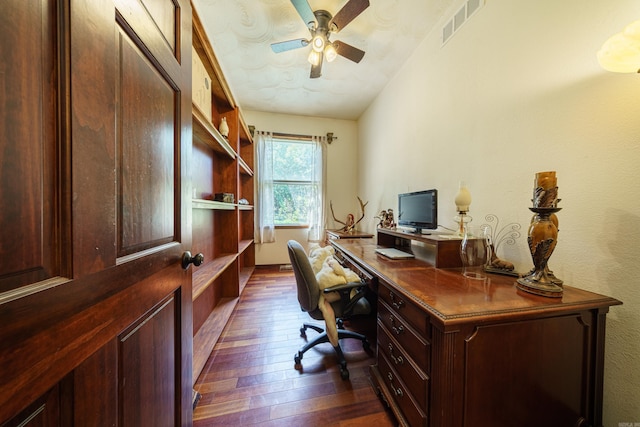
(443, 251)
(453, 351)
(338, 234)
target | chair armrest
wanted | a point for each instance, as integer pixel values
(344, 286)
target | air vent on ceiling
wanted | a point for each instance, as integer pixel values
(459, 18)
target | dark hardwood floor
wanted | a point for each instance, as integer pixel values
(251, 379)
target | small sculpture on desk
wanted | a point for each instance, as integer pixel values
(350, 224)
(386, 219)
(507, 234)
(499, 265)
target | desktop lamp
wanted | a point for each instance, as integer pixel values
(462, 201)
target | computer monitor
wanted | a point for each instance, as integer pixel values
(418, 209)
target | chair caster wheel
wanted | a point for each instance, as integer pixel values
(344, 373)
(303, 332)
(297, 358)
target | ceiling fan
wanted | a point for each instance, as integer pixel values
(321, 25)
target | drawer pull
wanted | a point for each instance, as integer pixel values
(396, 360)
(396, 329)
(396, 304)
(396, 391)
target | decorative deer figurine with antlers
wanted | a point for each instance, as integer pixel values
(350, 225)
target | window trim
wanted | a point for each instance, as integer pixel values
(291, 139)
(291, 226)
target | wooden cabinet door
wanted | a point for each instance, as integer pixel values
(95, 139)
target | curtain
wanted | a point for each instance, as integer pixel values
(264, 208)
(317, 214)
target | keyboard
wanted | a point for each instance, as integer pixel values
(394, 253)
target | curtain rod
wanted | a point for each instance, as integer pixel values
(330, 137)
(291, 136)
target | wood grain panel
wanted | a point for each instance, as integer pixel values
(30, 235)
(146, 158)
(92, 126)
(225, 173)
(202, 166)
(95, 385)
(411, 341)
(443, 379)
(149, 363)
(225, 285)
(226, 229)
(161, 24)
(44, 412)
(543, 380)
(412, 376)
(60, 335)
(205, 303)
(163, 13)
(202, 241)
(39, 350)
(412, 412)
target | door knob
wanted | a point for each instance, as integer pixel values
(188, 259)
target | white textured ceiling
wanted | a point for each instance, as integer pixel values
(241, 32)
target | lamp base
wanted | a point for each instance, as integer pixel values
(463, 220)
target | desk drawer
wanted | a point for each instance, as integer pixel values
(405, 308)
(413, 344)
(413, 377)
(370, 279)
(410, 409)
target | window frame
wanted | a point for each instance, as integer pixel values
(291, 140)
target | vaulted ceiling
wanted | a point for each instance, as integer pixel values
(241, 32)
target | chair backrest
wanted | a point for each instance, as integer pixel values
(308, 289)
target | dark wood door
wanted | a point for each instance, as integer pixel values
(95, 136)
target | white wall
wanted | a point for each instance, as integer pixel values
(518, 90)
(342, 161)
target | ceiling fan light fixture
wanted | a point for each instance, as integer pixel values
(322, 25)
(318, 43)
(314, 57)
(330, 52)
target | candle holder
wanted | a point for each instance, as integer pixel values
(542, 239)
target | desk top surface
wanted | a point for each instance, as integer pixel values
(454, 298)
(349, 235)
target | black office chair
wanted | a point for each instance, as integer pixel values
(308, 297)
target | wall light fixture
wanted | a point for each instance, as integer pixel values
(621, 53)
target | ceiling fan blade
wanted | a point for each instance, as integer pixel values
(289, 45)
(304, 10)
(348, 13)
(316, 70)
(348, 51)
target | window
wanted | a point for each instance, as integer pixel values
(293, 181)
(290, 174)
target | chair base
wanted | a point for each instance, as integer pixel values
(323, 337)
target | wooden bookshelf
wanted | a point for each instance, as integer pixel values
(222, 232)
